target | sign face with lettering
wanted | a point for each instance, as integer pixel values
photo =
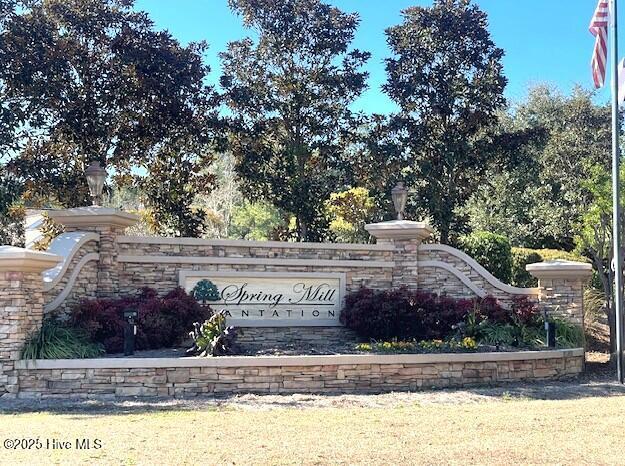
(270, 299)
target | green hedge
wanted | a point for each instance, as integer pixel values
(494, 253)
(490, 250)
(523, 256)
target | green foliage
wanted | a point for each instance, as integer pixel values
(212, 338)
(205, 290)
(289, 93)
(446, 76)
(93, 80)
(12, 213)
(490, 250)
(521, 257)
(348, 212)
(567, 334)
(524, 256)
(258, 221)
(538, 198)
(55, 340)
(49, 230)
(175, 178)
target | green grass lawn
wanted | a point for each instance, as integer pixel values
(503, 431)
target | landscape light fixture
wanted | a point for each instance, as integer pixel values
(400, 195)
(96, 175)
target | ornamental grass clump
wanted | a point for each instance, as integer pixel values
(55, 340)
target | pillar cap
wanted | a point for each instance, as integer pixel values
(400, 229)
(84, 217)
(14, 259)
(560, 269)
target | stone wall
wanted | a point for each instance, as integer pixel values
(443, 269)
(21, 312)
(259, 339)
(311, 374)
(156, 262)
(77, 281)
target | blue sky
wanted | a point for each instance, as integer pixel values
(544, 40)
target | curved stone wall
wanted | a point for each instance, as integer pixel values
(74, 278)
(444, 269)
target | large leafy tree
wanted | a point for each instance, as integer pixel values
(289, 92)
(446, 76)
(85, 80)
(540, 200)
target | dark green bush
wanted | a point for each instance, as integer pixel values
(491, 251)
(520, 258)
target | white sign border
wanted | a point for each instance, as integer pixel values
(183, 275)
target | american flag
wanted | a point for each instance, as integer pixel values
(599, 28)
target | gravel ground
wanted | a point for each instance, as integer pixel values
(597, 381)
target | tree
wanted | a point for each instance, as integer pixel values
(259, 221)
(595, 236)
(289, 93)
(205, 290)
(540, 197)
(170, 191)
(85, 80)
(348, 212)
(11, 212)
(446, 76)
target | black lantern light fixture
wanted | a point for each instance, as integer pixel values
(400, 195)
(96, 175)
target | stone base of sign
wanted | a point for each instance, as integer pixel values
(253, 339)
(168, 377)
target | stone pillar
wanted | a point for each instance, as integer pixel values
(109, 223)
(405, 236)
(561, 288)
(21, 304)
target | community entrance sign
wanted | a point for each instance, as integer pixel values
(272, 299)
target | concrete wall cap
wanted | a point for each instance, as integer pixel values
(14, 259)
(93, 216)
(560, 269)
(400, 229)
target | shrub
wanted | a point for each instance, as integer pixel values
(212, 338)
(490, 250)
(162, 321)
(405, 314)
(55, 340)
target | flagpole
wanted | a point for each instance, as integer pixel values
(616, 201)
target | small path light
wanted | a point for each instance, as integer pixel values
(400, 195)
(96, 175)
(130, 331)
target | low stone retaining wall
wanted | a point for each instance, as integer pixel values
(284, 374)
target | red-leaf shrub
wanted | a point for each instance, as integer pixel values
(406, 314)
(162, 321)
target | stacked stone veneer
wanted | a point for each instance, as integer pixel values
(311, 374)
(156, 262)
(259, 339)
(21, 313)
(442, 269)
(21, 305)
(80, 278)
